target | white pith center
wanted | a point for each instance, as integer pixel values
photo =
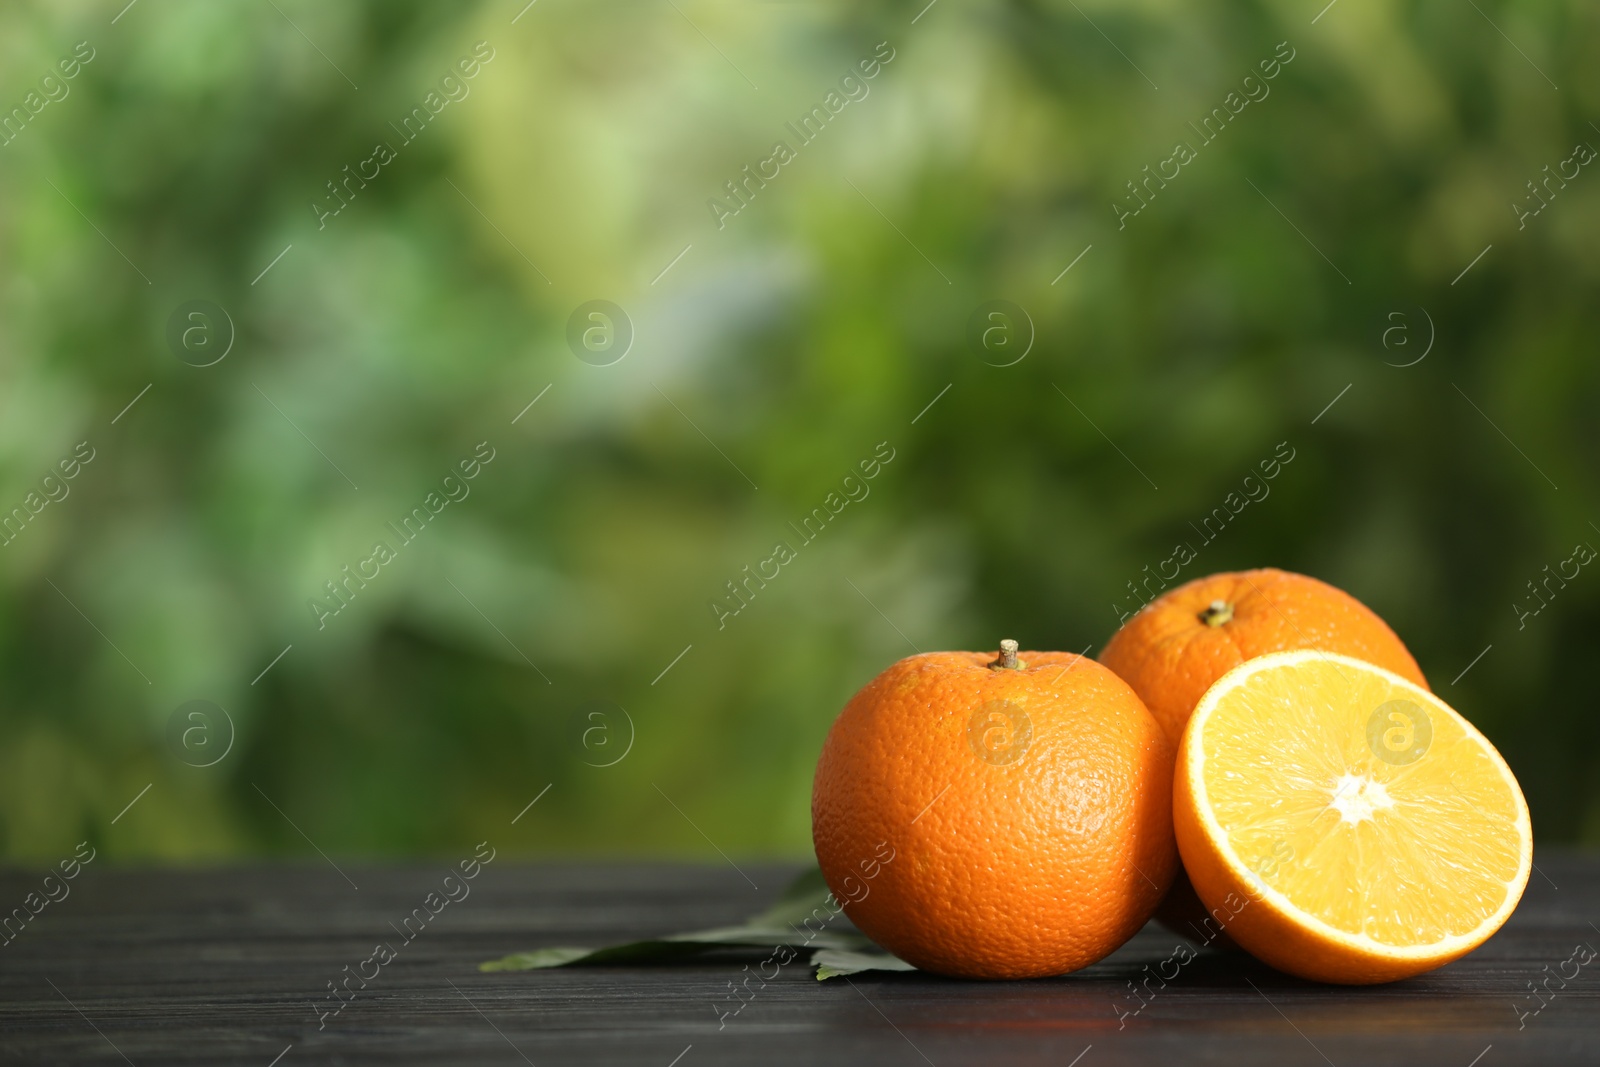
(1356, 797)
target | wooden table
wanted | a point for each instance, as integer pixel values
(231, 966)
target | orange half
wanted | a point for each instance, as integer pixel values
(1343, 824)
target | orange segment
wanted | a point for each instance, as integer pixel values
(1345, 824)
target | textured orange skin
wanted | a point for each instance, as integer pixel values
(1170, 657)
(1268, 934)
(1024, 869)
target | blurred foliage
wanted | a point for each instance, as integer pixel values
(777, 352)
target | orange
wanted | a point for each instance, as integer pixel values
(1184, 640)
(991, 817)
(1345, 823)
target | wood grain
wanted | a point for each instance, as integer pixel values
(229, 966)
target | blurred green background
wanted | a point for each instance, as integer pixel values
(776, 353)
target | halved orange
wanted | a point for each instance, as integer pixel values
(1344, 824)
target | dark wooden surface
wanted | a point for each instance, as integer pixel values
(227, 967)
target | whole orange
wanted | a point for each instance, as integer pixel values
(1181, 642)
(996, 817)
(1184, 640)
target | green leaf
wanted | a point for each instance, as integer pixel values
(834, 962)
(806, 893)
(781, 924)
(528, 961)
